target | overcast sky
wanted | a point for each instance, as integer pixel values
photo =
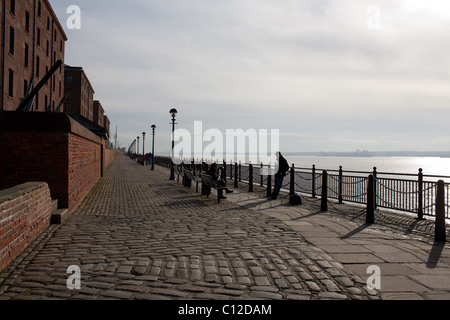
(331, 75)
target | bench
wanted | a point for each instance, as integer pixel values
(179, 173)
(210, 184)
(190, 176)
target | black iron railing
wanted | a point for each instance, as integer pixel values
(420, 194)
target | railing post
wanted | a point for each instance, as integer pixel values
(340, 186)
(269, 184)
(236, 182)
(231, 170)
(250, 178)
(370, 215)
(292, 182)
(224, 171)
(439, 229)
(324, 200)
(313, 181)
(375, 187)
(261, 174)
(420, 181)
(240, 172)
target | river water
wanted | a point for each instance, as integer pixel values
(406, 165)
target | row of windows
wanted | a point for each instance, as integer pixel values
(38, 31)
(25, 90)
(11, 85)
(12, 7)
(27, 52)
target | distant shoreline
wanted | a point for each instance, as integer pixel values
(368, 154)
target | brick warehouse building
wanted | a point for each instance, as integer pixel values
(81, 98)
(45, 157)
(32, 41)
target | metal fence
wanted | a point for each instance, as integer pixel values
(403, 192)
(424, 195)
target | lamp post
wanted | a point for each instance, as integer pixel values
(137, 149)
(153, 147)
(174, 113)
(143, 146)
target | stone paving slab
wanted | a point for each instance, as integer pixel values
(138, 235)
(412, 266)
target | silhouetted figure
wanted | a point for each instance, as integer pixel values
(283, 169)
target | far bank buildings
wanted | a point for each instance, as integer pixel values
(32, 41)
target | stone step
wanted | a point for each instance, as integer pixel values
(54, 204)
(59, 216)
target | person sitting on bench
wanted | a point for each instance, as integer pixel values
(216, 174)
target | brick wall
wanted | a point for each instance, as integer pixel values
(111, 156)
(85, 165)
(53, 148)
(25, 212)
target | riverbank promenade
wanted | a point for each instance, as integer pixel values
(139, 235)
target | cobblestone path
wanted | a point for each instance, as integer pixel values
(138, 235)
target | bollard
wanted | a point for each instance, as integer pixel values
(370, 214)
(292, 182)
(324, 200)
(439, 229)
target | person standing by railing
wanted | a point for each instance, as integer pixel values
(283, 169)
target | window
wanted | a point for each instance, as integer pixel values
(48, 48)
(38, 37)
(11, 83)
(48, 23)
(27, 49)
(25, 87)
(27, 22)
(69, 79)
(38, 62)
(11, 40)
(39, 9)
(12, 8)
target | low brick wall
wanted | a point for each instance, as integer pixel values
(111, 156)
(25, 212)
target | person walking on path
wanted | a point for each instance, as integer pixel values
(283, 169)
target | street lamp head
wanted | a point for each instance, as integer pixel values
(143, 133)
(173, 112)
(153, 127)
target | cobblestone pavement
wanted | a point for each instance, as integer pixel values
(138, 235)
